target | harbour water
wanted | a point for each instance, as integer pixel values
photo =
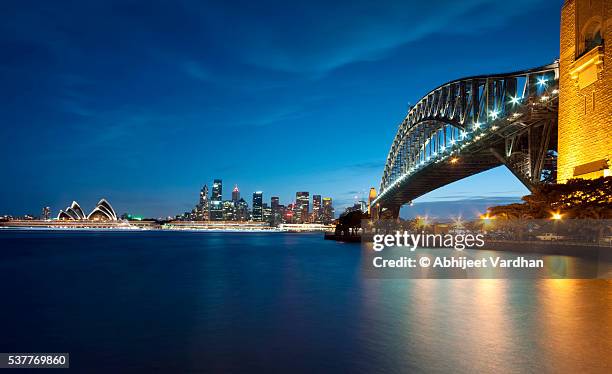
(232, 302)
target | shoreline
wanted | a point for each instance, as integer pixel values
(140, 229)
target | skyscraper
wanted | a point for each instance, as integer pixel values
(302, 202)
(266, 213)
(258, 206)
(328, 210)
(203, 205)
(242, 210)
(229, 210)
(235, 194)
(289, 216)
(216, 201)
(217, 191)
(316, 208)
(276, 215)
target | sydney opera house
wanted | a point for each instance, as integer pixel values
(102, 212)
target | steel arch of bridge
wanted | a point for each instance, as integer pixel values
(470, 125)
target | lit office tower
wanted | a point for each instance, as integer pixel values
(267, 213)
(289, 215)
(217, 191)
(328, 210)
(235, 194)
(242, 211)
(302, 202)
(276, 215)
(216, 201)
(203, 205)
(316, 208)
(229, 210)
(258, 206)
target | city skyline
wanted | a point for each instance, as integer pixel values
(216, 208)
(139, 102)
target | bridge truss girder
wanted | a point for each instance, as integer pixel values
(484, 122)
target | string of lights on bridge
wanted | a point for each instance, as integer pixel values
(456, 145)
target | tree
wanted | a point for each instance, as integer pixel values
(578, 198)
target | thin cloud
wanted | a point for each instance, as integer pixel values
(196, 70)
(368, 165)
(348, 33)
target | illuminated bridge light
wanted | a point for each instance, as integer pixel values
(515, 100)
(433, 141)
(542, 81)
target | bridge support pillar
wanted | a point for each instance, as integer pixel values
(585, 85)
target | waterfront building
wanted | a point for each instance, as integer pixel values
(267, 213)
(235, 194)
(229, 210)
(258, 206)
(585, 90)
(217, 191)
(279, 216)
(302, 201)
(202, 209)
(102, 212)
(316, 209)
(73, 212)
(363, 206)
(276, 216)
(327, 210)
(216, 201)
(242, 211)
(289, 215)
(46, 213)
(216, 210)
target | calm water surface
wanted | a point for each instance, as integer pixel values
(219, 302)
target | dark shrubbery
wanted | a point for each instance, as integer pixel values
(578, 198)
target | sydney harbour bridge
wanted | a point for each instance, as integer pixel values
(470, 125)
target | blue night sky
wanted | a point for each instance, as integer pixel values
(143, 102)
